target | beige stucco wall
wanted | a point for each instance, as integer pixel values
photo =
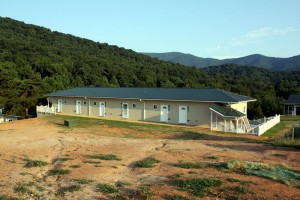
(241, 106)
(197, 113)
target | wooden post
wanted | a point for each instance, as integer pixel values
(224, 125)
(293, 133)
(236, 124)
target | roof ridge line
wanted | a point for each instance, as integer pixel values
(225, 92)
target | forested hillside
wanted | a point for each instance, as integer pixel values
(35, 60)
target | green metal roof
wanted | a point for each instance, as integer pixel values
(293, 99)
(175, 94)
(226, 111)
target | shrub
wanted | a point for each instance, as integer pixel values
(63, 190)
(176, 197)
(35, 163)
(104, 157)
(146, 163)
(198, 186)
(106, 188)
(59, 172)
(189, 165)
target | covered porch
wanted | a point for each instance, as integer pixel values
(226, 119)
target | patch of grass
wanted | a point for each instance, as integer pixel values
(237, 190)
(192, 172)
(198, 186)
(71, 188)
(280, 155)
(176, 197)
(146, 163)
(91, 162)
(276, 129)
(200, 165)
(106, 188)
(75, 166)
(23, 188)
(63, 159)
(120, 197)
(233, 180)
(145, 192)
(24, 173)
(83, 122)
(190, 165)
(35, 163)
(212, 157)
(40, 188)
(4, 197)
(278, 173)
(83, 181)
(293, 118)
(58, 172)
(104, 157)
(286, 142)
(121, 184)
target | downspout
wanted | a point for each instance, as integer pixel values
(89, 107)
(144, 110)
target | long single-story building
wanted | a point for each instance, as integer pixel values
(214, 108)
(292, 105)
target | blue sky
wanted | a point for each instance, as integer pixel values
(205, 28)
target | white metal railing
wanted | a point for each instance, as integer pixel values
(266, 124)
(229, 127)
(46, 110)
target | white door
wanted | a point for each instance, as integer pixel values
(59, 105)
(182, 114)
(125, 112)
(164, 113)
(101, 109)
(78, 107)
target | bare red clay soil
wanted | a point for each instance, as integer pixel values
(37, 139)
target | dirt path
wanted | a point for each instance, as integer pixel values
(36, 139)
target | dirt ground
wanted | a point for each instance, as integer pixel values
(37, 139)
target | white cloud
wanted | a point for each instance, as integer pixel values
(265, 32)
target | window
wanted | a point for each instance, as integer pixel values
(65, 101)
(84, 103)
(155, 107)
(95, 103)
(133, 105)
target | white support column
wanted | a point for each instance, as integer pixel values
(89, 107)
(294, 112)
(216, 121)
(211, 120)
(144, 112)
(224, 125)
(236, 124)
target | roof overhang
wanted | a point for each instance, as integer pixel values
(145, 99)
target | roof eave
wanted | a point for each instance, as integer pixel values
(182, 100)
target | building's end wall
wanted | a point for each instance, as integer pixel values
(241, 106)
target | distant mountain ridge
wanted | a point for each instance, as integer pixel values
(277, 64)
